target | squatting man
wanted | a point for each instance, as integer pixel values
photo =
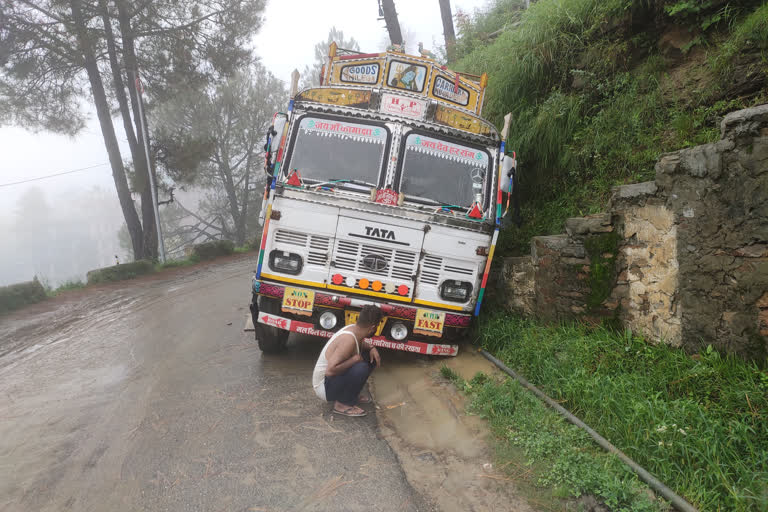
(345, 363)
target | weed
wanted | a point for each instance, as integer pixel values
(561, 455)
(73, 284)
(582, 80)
(698, 424)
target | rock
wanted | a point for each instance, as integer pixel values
(748, 121)
(702, 161)
(753, 251)
(635, 190)
(599, 223)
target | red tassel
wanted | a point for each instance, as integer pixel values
(293, 179)
(476, 212)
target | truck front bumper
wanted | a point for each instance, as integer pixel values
(338, 301)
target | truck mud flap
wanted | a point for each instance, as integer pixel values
(418, 347)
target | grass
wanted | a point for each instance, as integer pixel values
(177, 263)
(120, 272)
(699, 424)
(590, 92)
(72, 284)
(561, 456)
(218, 250)
(213, 249)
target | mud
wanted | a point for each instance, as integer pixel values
(147, 395)
(444, 452)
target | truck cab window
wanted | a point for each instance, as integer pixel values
(327, 149)
(443, 172)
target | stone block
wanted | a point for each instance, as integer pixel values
(575, 261)
(634, 190)
(598, 223)
(702, 161)
(746, 122)
(551, 242)
(667, 164)
(574, 251)
(753, 251)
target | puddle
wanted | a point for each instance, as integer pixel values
(444, 452)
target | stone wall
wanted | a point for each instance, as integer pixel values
(682, 260)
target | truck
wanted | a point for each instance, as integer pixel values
(384, 187)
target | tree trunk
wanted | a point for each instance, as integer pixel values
(448, 32)
(139, 162)
(117, 79)
(107, 130)
(390, 18)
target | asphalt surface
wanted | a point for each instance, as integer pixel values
(148, 395)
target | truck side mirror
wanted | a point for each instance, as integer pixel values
(508, 169)
(272, 140)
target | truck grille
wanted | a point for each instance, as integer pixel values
(432, 267)
(316, 247)
(400, 265)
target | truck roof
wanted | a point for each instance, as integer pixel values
(416, 88)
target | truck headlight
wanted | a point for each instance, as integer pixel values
(285, 262)
(456, 291)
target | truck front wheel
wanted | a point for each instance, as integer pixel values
(271, 339)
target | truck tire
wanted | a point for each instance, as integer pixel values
(271, 340)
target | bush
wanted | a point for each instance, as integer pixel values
(211, 250)
(18, 295)
(120, 272)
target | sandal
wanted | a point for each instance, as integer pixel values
(349, 411)
(364, 399)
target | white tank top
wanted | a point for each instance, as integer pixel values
(318, 375)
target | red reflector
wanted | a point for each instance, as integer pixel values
(402, 289)
(476, 212)
(294, 180)
(337, 279)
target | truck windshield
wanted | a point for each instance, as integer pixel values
(443, 172)
(326, 149)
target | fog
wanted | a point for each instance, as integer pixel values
(60, 237)
(60, 228)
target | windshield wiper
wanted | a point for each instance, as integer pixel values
(344, 181)
(444, 205)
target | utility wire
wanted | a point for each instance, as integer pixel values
(51, 175)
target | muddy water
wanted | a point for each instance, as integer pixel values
(444, 452)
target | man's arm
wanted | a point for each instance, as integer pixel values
(374, 353)
(341, 355)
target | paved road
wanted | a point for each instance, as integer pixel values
(148, 396)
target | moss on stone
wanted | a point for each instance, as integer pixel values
(602, 251)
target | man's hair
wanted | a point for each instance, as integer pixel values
(370, 315)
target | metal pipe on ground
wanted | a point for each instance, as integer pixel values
(677, 501)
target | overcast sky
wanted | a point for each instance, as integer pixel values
(286, 41)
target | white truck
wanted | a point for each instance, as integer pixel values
(383, 189)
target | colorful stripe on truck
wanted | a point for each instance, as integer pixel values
(287, 324)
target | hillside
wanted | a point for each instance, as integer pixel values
(599, 89)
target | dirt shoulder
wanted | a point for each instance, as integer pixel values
(446, 454)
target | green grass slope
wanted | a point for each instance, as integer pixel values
(599, 89)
